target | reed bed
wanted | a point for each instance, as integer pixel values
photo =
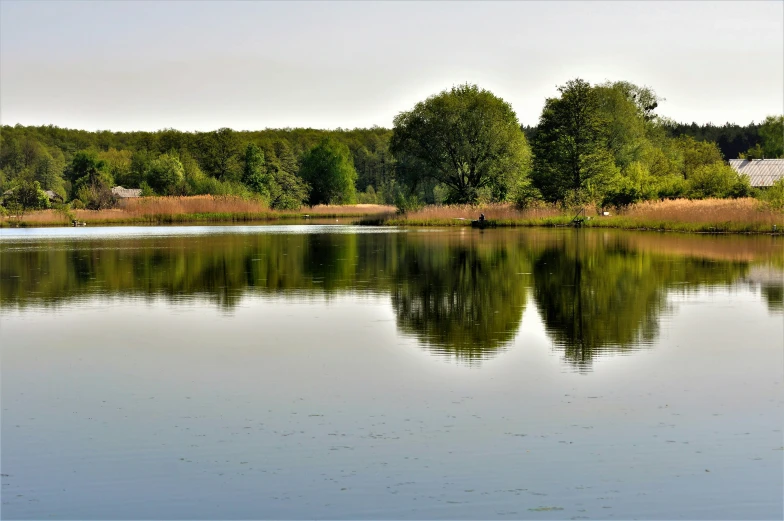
(709, 215)
(161, 210)
(462, 215)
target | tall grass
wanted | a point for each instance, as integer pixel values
(746, 215)
(153, 210)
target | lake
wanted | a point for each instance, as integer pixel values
(343, 372)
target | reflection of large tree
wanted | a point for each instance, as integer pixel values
(460, 299)
(608, 298)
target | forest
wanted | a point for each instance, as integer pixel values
(603, 144)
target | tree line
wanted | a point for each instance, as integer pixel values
(603, 144)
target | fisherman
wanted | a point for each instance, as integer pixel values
(481, 217)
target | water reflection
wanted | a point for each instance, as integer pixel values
(605, 296)
(462, 297)
(460, 293)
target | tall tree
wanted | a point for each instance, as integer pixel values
(166, 174)
(465, 138)
(329, 170)
(570, 150)
(219, 151)
(254, 173)
(772, 133)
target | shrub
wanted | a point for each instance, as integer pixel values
(773, 197)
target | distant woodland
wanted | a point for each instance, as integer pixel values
(602, 144)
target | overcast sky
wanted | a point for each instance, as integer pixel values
(250, 65)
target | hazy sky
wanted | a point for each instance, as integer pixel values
(251, 65)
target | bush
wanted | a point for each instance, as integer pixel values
(407, 202)
(526, 195)
(717, 180)
(773, 197)
(96, 196)
(368, 196)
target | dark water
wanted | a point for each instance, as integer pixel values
(342, 372)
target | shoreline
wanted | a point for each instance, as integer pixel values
(618, 223)
(707, 216)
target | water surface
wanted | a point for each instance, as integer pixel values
(347, 372)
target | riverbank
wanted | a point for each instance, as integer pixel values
(183, 210)
(696, 216)
(692, 216)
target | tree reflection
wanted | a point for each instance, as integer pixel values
(600, 299)
(460, 294)
(463, 300)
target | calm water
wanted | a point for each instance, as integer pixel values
(342, 372)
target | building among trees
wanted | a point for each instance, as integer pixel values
(762, 173)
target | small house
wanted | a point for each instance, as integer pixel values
(762, 172)
(126, 193)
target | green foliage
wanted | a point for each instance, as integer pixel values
(772, 134)
(368, 196)
(465, 138)
(27, 195)
(697, 154)
(717, 180)
(526, 195)
(571, 160)
(166, 175)
(220, 154)
(119, 166)
(147, 190)
(329, 170)
(773, 196)
(88, 172)
(96, 196)
(254, 173)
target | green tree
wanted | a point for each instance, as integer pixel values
(30, 196)
(254, 173)
(166, 175)
(329, 170)
(48, 172)
(219, 152)
(87, 170)
(118, 165)
(717, 180)
(697, 154)
(465, 138)
(571, 158)
(772, 133)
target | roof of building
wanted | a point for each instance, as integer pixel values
(125, 193)
(52, 195)
(761, 172)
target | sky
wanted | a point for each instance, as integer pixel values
(144, 65)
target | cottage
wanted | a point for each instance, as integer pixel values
(762, 172)
(126, 193)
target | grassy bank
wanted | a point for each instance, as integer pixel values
(696, 216)
(174, 210)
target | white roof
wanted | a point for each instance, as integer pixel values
(761, 172)
(121, 192)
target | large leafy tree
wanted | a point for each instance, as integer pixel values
(219, 154)
(465, 138)
(87, 170)
(166, 175)
(571, 157)
(329, 169)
